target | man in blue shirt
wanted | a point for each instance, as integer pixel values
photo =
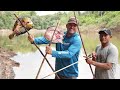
(67, 52)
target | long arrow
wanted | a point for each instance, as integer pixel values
(35, 43)
(82, 42)
(89, 56)
(46, 53)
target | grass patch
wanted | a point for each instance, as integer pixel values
(90, 41)
(19, 44)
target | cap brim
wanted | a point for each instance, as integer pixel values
(103, 32)
(72, 22)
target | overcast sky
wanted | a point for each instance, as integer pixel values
(41, 13)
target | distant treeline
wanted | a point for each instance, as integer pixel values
(110, 19)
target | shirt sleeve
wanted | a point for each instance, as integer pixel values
(97, 48)
(113, 55)
(75, 47)
(41, 40)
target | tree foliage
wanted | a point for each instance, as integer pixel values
(110, 18)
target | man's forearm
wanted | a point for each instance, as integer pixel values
(102, 65)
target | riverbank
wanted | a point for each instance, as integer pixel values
(7, 64)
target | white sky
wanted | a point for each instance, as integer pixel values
(41, 13)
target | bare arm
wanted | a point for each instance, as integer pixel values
(100, 65)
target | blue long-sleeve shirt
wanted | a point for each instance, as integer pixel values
(66, 53)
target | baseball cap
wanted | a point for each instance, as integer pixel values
(72, 20)
(107, 31)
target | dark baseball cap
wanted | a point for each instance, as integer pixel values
(107, 31)
(72, 20)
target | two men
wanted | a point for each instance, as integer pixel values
(104, 59)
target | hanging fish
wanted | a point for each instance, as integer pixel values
(58, 36)
(18, 29)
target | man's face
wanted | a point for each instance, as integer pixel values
(104, 38)
(71, 28)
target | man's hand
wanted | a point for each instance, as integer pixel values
(88, 60)
(31, 38)
(48, 50)
(94, 55)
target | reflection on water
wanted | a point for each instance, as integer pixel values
(30, 63)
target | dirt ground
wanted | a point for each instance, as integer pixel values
(7, 64)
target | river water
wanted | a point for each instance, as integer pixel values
(30, 63)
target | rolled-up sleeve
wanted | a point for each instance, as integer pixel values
(41, 40)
